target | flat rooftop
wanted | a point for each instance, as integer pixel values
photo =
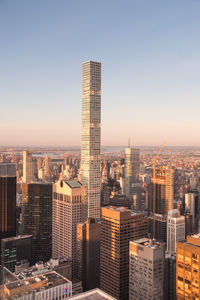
(36, 283)
(73, 183)
(95, 294)
(149, 243)
(15, 238)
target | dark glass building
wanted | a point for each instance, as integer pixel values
(88, 253)
(37, 218)
(15, 249)
(7, 200)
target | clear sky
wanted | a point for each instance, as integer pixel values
(150, 54)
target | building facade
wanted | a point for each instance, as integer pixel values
(69, 209)
(146, 270)
(175, 229)
(119, 225)
(188, 268)
(91, 135)
(88, 253)
(15, 249)
(28, 167)
(164, 191)
(37, 218)
(7, 200)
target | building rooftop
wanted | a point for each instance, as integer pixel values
(149, 243)
(95, 294)
(40, 282)
(15, 238)
(73, 183)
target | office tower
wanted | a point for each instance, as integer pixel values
(146, 270)
(132, 165)
(69, 209)
(91, 135)
(88, 253)
(175, 229)
(28, 167)
(16, 249)
(7, 200)
(160, 227)
(188, 224)
(119, 225)
(188, 268)
(170, 277)
(37, 218)
(164, 191)
(47, 166)
(191, 207)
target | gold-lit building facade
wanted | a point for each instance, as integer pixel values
(188, 268)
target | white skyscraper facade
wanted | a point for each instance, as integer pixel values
(175, 229)
(91, 135)
(28, 167)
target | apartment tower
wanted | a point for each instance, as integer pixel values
(91, 135)
(146, 270)
(119, 225)
(69, 209)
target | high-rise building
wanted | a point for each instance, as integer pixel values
(132, 165)
(16, 249)
(28, 167)
(69, 209)
(119, 225)
(88, 253)
(7, 200)
(160, 227)
(91, 135)
(188, 268)
(170, 277)
(146, 270)
(191, 207)
(175, 229)
(47, 166)
(164, 191)
(37, 218)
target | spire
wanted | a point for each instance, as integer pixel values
(129, 142)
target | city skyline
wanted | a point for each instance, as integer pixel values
(150, 66)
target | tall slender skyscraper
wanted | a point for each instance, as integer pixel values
(28, 167)
(91, 135)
